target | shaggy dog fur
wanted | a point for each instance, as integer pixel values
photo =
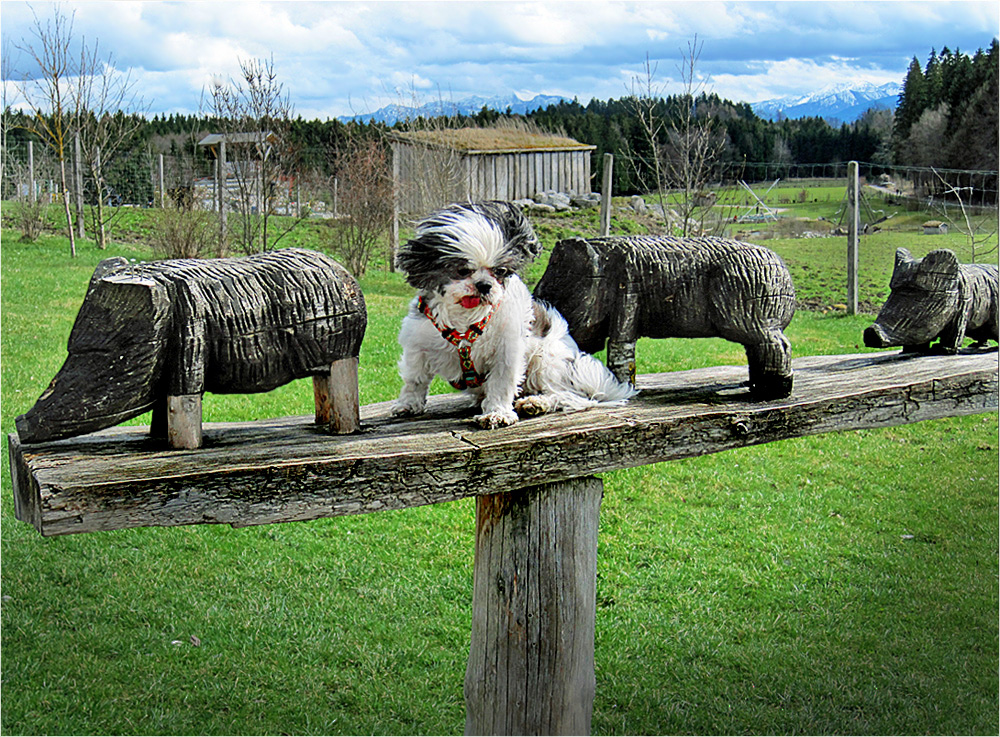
(475, 324)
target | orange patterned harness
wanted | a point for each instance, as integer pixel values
(463, 342)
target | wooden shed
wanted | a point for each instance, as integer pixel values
(434, 168)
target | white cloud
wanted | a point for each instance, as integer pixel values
(769, 80)
(342, 57)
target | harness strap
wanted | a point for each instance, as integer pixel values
(463, 342)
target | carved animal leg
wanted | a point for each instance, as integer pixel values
(184, 421)
(621, 360)
(337, 401)
(770, 367)
(158, 422)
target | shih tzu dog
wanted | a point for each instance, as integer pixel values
(475, 324)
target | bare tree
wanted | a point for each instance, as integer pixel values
(366, 203)
(256, 116)
(683, 143)
(17, 174)
(694, 143)
(48, 93)
(647, 104)
(981, 236)
(106, 103)
(923, 145)
(442, 173)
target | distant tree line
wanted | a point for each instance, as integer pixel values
(947, 111)
(946, 117)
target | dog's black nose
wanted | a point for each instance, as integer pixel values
(483, 287)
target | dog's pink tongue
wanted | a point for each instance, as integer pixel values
(470, 302)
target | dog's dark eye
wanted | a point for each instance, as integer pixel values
(501, 273)
(463, 272)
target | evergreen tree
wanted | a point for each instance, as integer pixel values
(912, 102)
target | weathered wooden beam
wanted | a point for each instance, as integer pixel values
(289, 469)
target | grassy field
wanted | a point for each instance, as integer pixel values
(833, 584)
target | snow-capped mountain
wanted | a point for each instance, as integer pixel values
(844, 102)
(467, 106)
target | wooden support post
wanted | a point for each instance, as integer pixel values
(184, 421)
(337, 402)
(853, 223)
(531, 659)
(606, 180)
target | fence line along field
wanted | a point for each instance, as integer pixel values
(780, 588)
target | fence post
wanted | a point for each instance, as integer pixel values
(531, 658)
(78, 179)
(33, 196)
(853, 221)
(221, 192)
(394, 152)
(101, 235)
(609, 162)
(162, 192)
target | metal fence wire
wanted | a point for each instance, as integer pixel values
(141, 178)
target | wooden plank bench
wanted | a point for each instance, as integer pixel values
(531, 666)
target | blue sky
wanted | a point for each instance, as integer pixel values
(342, 58)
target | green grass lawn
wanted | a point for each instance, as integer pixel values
(841, 583)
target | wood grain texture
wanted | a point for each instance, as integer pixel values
(186, 326)
(184, 421)
(617, 289)
(336, 397)
(531, 658)
(290, 469)
(937, 297)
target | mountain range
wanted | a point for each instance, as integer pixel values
(467, 106)
(842, 102)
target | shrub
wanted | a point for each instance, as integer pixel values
(365, 203)
(30, 218)
(180, 232)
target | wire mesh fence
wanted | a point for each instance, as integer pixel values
(141, 178)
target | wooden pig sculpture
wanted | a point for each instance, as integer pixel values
(935, 297)
(157, 335)
(621, 288)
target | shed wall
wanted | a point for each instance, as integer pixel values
(429, 178)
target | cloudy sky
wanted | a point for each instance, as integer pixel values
(341, 58)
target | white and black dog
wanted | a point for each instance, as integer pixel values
(474, 323)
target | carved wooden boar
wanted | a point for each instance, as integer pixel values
(179, 328)
(936, 298)
(620, 288)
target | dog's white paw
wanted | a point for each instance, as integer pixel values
(404, 408)
(532, 406)
(491, 420)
